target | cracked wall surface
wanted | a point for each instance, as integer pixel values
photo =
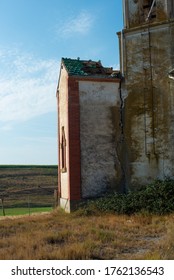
(147, 60)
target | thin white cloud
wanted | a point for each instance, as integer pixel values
(78, 24)
(116, 66)
(6, 127)
(27, 86)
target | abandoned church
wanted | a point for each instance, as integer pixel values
(116, 127)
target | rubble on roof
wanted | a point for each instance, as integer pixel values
(77, 67)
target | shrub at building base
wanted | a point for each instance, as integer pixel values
(156, 198)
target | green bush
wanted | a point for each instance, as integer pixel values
(156, 198)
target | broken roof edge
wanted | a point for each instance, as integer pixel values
(88, 68)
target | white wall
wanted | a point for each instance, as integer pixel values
(63, 121)
(98, 100)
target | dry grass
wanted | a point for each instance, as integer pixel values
(74, 236)
(71, 236)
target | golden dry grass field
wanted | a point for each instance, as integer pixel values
(79, 235)
(58, 235)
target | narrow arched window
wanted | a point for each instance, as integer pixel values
(63, 150)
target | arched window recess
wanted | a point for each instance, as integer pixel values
(63, 151)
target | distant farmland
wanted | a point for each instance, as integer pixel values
(27, 186)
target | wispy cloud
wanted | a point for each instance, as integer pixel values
(27, 85)
(77, 24)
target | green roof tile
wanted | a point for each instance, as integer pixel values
(74, 66)
(77, 67)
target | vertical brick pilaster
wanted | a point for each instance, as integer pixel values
(74, 139)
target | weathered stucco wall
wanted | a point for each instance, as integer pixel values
(136, 11)
(63, 122)
(148, 102)
(99, 106)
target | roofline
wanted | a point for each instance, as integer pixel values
(94, 78)
(86, 78)
(61, 62)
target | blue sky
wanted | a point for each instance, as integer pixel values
(34, 35)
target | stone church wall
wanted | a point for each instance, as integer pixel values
(149, 102)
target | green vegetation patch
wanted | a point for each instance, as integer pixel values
(24, 211)
(156, 198)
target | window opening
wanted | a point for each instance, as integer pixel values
(148, 3)
(149, 7)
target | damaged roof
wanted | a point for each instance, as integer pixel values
(77, 67)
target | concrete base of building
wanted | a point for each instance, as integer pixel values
(68, 205)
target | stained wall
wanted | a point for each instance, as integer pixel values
(99, 127)
(147, 57)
